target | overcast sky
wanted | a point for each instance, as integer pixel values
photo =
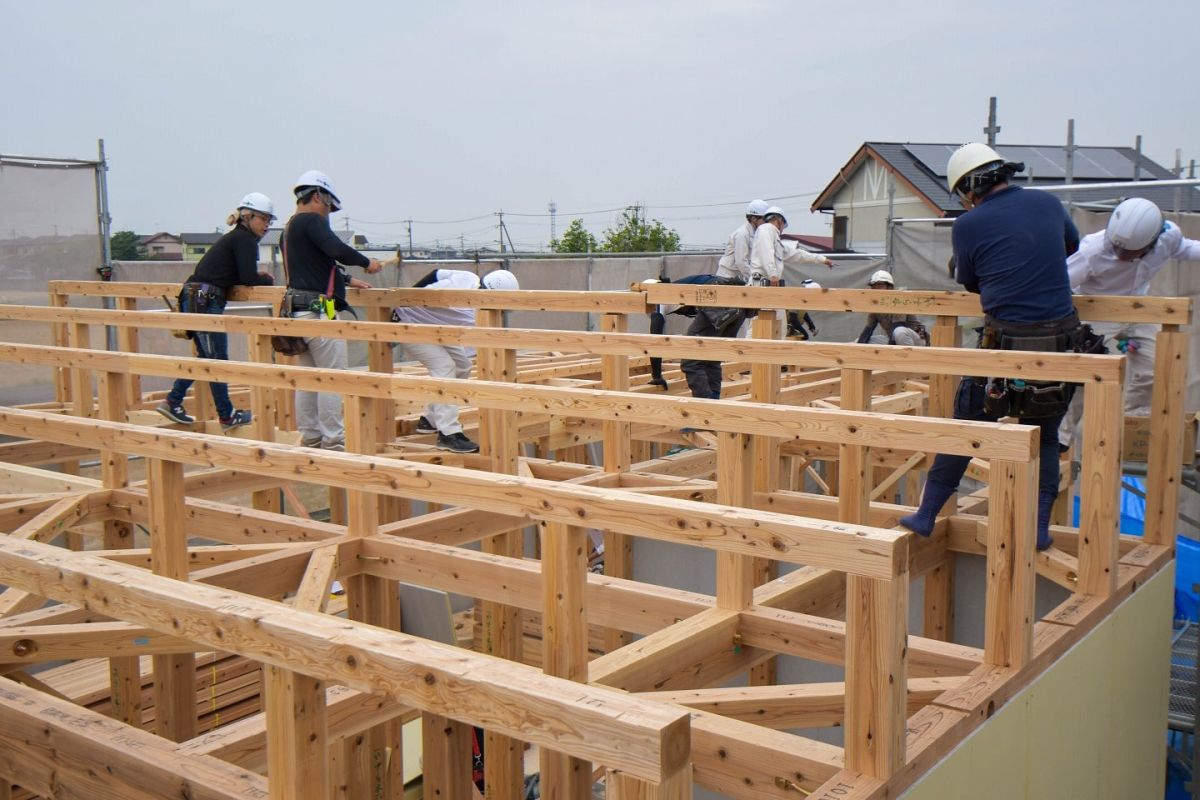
(453, 110)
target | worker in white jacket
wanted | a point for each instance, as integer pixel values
(769, 253)
(735, 263)
(1123, 259)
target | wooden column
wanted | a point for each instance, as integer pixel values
(379, 359)
(876, 623)
(128, 342)
(1011, 548)
(735, 487)
(124, 672)
(446, 758)
(60, 337)
(622, 786)
(502, 624)
(1167, 406)
(618, 547)
(764, 388)
(174, 675)
(373, 600)
(297, 735)
(262, 428)
(938, 595)
(1100, 487)
(565, 643)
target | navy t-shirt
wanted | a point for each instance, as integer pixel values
(1012, 250)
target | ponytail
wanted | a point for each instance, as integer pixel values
(236, 218)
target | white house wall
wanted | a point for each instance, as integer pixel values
(864, 203)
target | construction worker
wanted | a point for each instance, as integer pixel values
(1123, 259)
(769, 253)
(796, 322)
(232, 261)
(1011, 248)
(447, 360)
(902, 329)
(735, 263)
(312, 259)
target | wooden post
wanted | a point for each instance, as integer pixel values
(379, 359)
(735, 487)
(446, 758)
(938, 597)
(60, 337)
(565, 646)
(373, 600)
(876, 623)
(1100, 487)
(622, 786)
(1166, 445)
(174, 675)
(262, 405)
(124, 672)
(1011, 547)
(764, 388)
(297, 735)
(502, 624)
(618, 547)
(128, 342)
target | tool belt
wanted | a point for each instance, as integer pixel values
(302, 300)
(1014, 397)
(196, 297)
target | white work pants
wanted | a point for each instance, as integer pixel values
(902, 335)
(1139, 372)
(319, 414)
(442, 361)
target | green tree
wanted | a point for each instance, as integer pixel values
(575, 239)
(124, 246)
(637, 235)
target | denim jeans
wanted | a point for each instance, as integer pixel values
(948, 470)
(208, 344)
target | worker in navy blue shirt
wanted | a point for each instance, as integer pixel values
(232, 261)
(1011, 248)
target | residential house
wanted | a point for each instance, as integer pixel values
(160, 246)
(891, 180)
(195, 245)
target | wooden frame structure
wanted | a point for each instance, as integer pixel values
(650, 712)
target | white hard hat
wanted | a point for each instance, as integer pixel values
(319, 180)
(881, 276)
(809, 283)
(757, 208)
(969, 158)
(500, 279)
(776, 210)
(257, 201)
(1134, 225)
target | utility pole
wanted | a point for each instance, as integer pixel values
(409, 223)
(501, 215)
(1137, 158)
(1070, 167)
(553, 211)
(992, 128)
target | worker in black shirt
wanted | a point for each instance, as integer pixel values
(312, 258)
(232, 261)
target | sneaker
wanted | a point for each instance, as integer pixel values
(456, 443)
(175, 414)
(425, 426)
(237, 419)
(311, 442)
(337, 447)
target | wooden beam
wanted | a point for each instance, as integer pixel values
(1100, 487)
(1167, 406)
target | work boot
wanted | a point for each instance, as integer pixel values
(935, 496)
(1045, 505)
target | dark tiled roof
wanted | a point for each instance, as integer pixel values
(200, 238)
(930, 181)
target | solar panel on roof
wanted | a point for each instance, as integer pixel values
(1049, 162)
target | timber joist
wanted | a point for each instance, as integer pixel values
(253, 583)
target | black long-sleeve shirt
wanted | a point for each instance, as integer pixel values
(312, 250)
(232, 261)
